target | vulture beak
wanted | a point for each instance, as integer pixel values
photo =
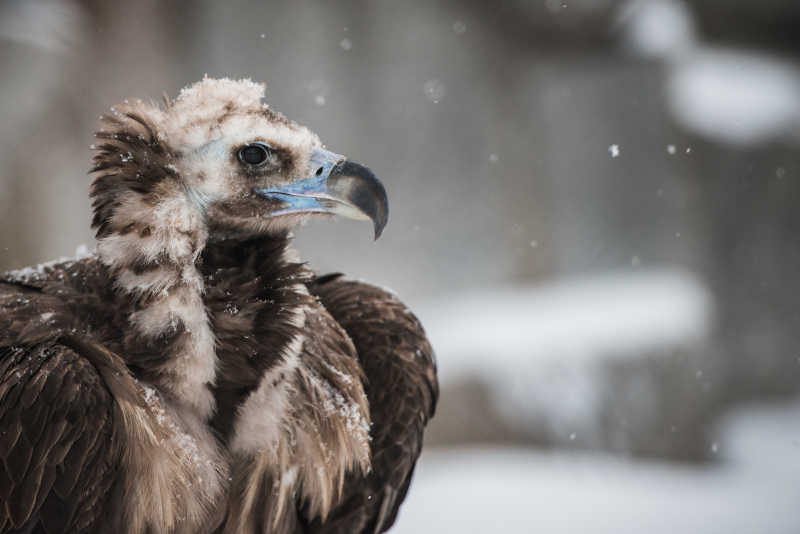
(334, 186)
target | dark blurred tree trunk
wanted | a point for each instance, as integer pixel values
(749, 200)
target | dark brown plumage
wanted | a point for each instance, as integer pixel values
(402, 391)
(192, 377)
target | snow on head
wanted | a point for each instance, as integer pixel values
(241, 93)
(210, 97)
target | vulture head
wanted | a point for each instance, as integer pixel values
(216, 163)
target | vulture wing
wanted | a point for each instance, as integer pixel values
(402, 390)
(58, 440)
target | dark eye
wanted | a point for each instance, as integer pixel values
(255, 154)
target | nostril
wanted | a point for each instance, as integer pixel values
(319, 171)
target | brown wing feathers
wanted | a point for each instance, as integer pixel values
(58, 440)
(57, 443)
(402, 390)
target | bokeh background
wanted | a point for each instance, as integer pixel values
(594, 212)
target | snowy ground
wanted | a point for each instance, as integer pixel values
(579, 319)
(753, 489)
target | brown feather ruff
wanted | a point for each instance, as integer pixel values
(150, 236)
(130, 159)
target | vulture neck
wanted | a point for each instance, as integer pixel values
(152, 255)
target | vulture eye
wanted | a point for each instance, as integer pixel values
(255, 154)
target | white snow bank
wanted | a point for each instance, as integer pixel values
(735, 96)
(481, 490)
(616, 315)
(545, 354)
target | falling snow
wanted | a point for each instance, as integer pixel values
(434, 90)
(555, 6)
(318, 89)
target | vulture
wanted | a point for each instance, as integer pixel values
(192, 375)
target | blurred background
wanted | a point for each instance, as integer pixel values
(594, 212)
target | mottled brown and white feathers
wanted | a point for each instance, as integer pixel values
(192, 376)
